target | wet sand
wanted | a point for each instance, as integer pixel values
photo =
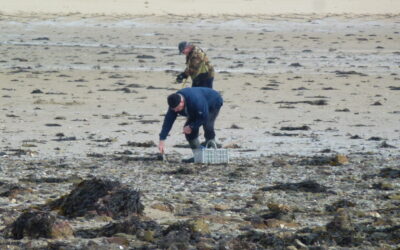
(106, 78)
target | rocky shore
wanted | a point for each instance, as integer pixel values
(327, 201)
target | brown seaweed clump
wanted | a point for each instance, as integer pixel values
(185, 234)
(37, 224)
(189, 234)
(102, 197)
(339, 204)
(134, 226)
(304, 186)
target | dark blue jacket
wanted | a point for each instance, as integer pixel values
(198, 103)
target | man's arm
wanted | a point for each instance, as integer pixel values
(169, 120)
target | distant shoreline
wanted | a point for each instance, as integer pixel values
(200, 7)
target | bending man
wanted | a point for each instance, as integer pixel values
(201, 107)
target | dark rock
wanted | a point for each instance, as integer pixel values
(37, 91)
(268, 88)
(234, 126)
(52, 125)
(295, 65)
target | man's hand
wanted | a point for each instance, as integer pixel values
(180, 77)
(187, 130)
(161, 147)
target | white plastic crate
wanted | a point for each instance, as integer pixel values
(211, 155)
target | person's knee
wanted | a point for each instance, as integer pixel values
(192, 136)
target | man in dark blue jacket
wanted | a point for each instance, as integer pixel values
(201, 107)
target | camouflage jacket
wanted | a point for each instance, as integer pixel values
(197, 63)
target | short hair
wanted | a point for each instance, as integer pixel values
(174, 100)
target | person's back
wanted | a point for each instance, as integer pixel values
(196, 97)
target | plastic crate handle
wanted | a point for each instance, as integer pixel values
(214, 144)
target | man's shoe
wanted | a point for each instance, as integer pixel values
(189, 160)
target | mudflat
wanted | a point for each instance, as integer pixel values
(311, 119)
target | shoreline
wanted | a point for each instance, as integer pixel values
(196, 7)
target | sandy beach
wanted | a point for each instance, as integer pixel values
(111, 82)
(310, 93)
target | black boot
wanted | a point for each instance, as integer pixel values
(194, 145)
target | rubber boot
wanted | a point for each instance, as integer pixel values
(194, 145)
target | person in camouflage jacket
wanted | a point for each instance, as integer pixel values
(198, 67)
